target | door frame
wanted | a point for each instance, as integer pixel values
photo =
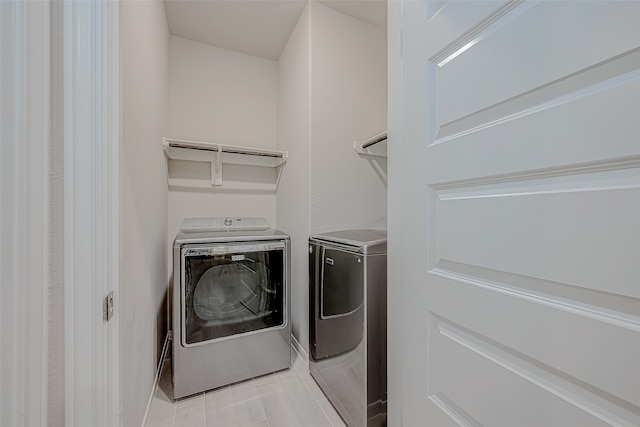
(395, 295)
(91, 210)
(24, 212)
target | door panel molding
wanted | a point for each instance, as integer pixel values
(451, 189)
(480, 31)
(603, 307)
(512, 49)
(453, 411)
(549, 331)
(596, 402)
(506, 233)
(617, 71)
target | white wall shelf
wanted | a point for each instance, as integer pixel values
(216, 154)
(374, 146)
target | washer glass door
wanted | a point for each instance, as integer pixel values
(231, 289)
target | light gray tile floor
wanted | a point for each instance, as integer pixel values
(288, 398)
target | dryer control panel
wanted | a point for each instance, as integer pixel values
(193, 225)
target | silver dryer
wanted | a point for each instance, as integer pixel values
(348, 322)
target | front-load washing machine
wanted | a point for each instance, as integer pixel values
(230, 302)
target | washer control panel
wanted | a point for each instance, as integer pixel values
(193, 225)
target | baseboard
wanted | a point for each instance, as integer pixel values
(298, 349)
(154, 388)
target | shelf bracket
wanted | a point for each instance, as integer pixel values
(373, 146)
(216, 168)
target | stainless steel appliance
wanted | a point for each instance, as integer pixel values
(347, 322)
(230, 302)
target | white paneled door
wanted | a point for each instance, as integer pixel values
(519, 174)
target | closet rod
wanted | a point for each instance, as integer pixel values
(372, 141)
(223, 148)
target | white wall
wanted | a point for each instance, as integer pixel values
(293, 198)
(332, 91)
(217, 95)
(221, 96)
(349, 103)
(143, 216)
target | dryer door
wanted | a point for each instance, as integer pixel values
(341, 283)
(231, 289)
(336, 301)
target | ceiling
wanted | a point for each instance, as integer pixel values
(255, 27)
